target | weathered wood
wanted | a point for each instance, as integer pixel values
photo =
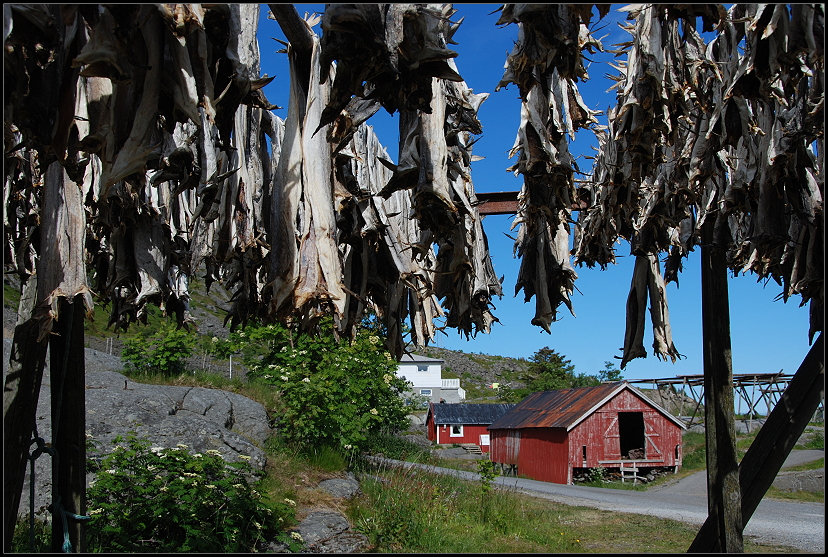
(298, 35)
(67, 371)
(723, 496)
(20, 394)
(774, 442)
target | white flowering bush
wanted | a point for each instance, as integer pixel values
(152, 499)
(335, 392)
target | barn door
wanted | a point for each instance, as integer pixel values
(612, 446)
(653, 439)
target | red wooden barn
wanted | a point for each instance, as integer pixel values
(613, 425)
(463, 423)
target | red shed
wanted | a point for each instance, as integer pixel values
(614, 425)
(463, 423)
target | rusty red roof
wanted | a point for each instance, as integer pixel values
(567, 407)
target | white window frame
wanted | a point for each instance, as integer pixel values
(452, 433)
(426, 392)
(422, 368)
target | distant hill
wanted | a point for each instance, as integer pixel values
(478, 371)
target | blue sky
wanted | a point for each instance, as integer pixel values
(767, 336)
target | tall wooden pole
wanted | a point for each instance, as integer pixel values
(20, 394)
(723, 493)
(775, 440)
(67, 374)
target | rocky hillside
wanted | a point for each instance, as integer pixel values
(477, 372)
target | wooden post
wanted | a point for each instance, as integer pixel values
(723, 494)
(775, 440)
(20, 395)
(67, 370)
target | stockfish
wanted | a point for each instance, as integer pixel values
(546, 64)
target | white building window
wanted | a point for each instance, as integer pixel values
(422, 367)
(456, 431)
(425, 392)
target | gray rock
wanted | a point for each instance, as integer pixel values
(321, 525)
(329, 532)
(340, 487)
(812, 481)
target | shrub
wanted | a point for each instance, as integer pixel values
(148, 499)
(163, 352)
(334, 392)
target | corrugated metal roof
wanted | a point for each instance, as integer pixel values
(566, 408)
(463, 413)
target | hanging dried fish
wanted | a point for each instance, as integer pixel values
(388, 53)
(545, 65)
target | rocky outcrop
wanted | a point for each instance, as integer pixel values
(167, 416)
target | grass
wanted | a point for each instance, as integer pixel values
(414, 511)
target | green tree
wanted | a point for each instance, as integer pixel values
(609, 373)
(549, 371)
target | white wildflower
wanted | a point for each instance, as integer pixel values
(213, 452)
(297, 536)
(374, 339)
(198, 455)
(306, 380)
(244, 457)
(214, 339)
(210, 486)
(284, 377)
(290, 502)
(374, 411)
(96, 511)
(181, 446)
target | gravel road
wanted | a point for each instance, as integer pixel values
(796, 525)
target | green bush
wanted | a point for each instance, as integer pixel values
(334, 392)
(163, 352)
(149, 499)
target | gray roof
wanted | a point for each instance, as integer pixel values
(417, 358)
(463, 413)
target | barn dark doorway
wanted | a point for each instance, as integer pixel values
(631, 434)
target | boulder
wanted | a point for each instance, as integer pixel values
(341, 487)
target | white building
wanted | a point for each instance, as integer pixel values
(426, 376)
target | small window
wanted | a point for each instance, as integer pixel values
(422, 367)
(456, 431)
(583, 450)
(425, 392)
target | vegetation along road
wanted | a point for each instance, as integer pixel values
(798, 525)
